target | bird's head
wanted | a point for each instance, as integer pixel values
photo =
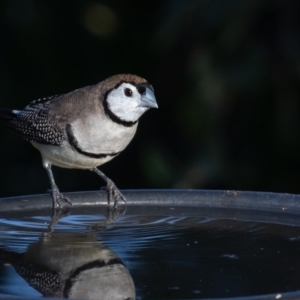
(128, 97)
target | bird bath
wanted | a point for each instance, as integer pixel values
(166, 244)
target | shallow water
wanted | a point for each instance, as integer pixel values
(168, 255)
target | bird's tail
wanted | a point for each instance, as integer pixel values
(10, 257)
(8, 116)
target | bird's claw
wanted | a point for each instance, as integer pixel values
(114, 193)
(57, 214)
(59, 198)
(112, 214)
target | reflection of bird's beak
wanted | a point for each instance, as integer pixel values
(148, 99)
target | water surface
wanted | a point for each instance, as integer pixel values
(169, 255)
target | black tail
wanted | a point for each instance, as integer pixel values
(10, 257)
(8, 117)
(6, 114)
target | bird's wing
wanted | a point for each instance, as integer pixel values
(47, 282)
(36, 124)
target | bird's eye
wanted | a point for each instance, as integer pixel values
(128, 92)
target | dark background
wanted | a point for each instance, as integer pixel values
(226, 76)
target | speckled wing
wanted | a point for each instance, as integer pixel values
(35, 123)
(47, 282)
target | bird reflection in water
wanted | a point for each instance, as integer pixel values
(74, 266)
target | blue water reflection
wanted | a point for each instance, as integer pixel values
(169, 256)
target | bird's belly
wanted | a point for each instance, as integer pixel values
(109, 138)
(65, 156)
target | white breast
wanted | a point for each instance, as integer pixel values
(98, 135)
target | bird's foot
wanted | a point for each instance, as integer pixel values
(112, 214)
(58, 198)
(114, 193)
(57, 214)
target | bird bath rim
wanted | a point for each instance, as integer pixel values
(244, 205)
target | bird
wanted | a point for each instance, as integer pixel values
(85, 128)
(74, 266)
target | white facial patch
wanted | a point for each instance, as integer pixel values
(124, 106)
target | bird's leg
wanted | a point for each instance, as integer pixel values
(112, 190)
(57, 214)
(57, 196)
(112, 214)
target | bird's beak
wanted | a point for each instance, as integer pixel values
(148, 99)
